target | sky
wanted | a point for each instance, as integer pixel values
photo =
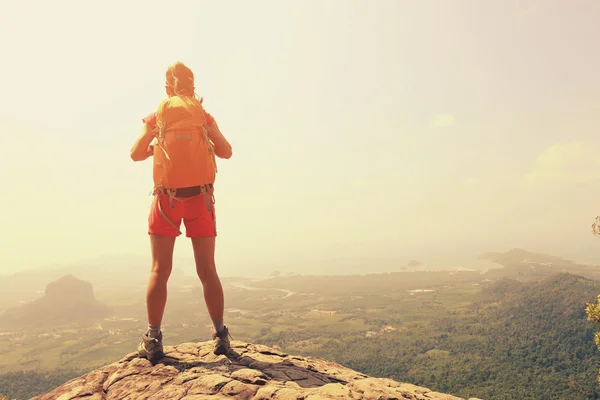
(366, 131)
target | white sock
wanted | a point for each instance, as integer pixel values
(153, 331)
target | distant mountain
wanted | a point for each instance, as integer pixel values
(105, 272)
(66, 300)
(516, 256)
(526, 266)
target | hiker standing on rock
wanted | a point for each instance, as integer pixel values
(186, 141)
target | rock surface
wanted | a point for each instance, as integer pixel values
(191, 371)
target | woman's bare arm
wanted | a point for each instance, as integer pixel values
(221, 145)
(142, 149)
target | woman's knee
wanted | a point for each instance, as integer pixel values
(161, 270)
(206, 271)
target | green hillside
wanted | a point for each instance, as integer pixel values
(521, 341)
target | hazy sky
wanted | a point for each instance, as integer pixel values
(365, 130)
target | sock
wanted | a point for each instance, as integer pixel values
(218, 326)
(153, 331)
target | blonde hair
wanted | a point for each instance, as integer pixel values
(180, 81)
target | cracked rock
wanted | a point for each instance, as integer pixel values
(252, 372)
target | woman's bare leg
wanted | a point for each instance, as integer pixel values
(204, 254)
(162, 264)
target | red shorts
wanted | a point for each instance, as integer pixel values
(197, 214)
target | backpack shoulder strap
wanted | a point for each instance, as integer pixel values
(160, 123)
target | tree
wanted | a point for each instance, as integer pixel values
(593, 315)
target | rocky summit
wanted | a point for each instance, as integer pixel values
(191, 371)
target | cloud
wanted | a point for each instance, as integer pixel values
(570, 162)
(443, 121)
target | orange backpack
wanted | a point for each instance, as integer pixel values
(183, 154)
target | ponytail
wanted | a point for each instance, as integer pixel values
(181, 80)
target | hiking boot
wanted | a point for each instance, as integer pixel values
(151, 348)
(221, 341)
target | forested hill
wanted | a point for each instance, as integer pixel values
(516, 341)
(539, 331)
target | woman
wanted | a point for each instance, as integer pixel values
(186, 141)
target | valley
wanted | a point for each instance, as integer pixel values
(514, 332)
